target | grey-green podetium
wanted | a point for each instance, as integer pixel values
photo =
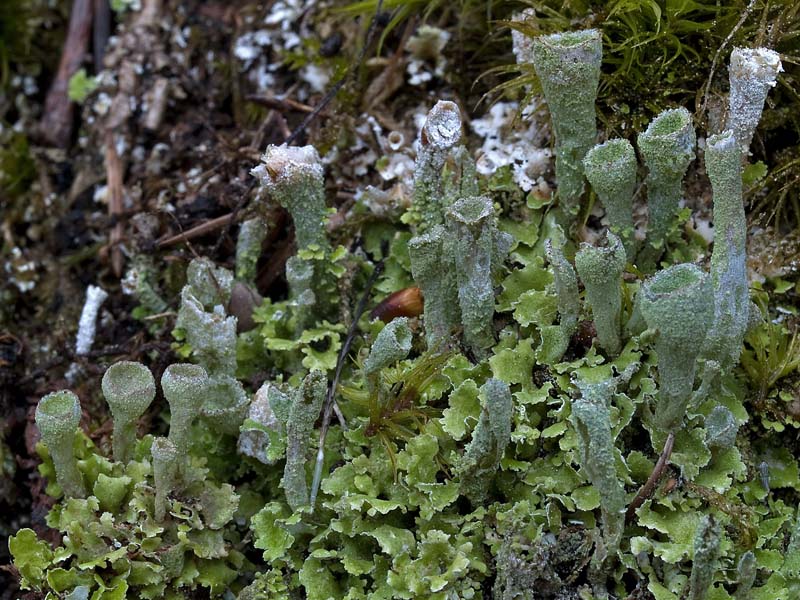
(129, 388)
(57, 417)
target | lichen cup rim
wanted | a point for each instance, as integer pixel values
(58, 413)
(128, 387)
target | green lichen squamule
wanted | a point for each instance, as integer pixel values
(57, 417)
(294, 176)
(482, 456)
(667, 148)
(729, 257)
(165, 473)
(752, 73)
(184, 387)
(600, 269)
(611, 170)
(440, 133)
(678, 304)
(568, 67)
(433, 270)
(306, 404)
(129, 388)
(471, 225)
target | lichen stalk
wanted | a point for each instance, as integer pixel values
(752, 73)
(295, 177)
(667, 148)
(592, 419)
(57, 417)
(252, 233)
(728, 259)
(471, 225)
(568, 67)
(433, 270)
(600, 268)
(566, 286)
(610, 168)
(678, 304)
(440, 133)
(706, 552)
(129, 388)
(184, 388)
(482, 457)
(306, 405)
(165, 465)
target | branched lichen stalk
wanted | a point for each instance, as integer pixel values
(706, 552)
(294, 176)
(752, 73)
(728, 259)
(165, 468)
(592, 419)
(600, 269)
(471, 226)
(481, 459)
(212, 335)
(433, 269)
(441, 131)
(678, 304)
(568, 67)
(305, 409)
(57, 417)
(667, 148)
(611, 170)
(184, 387)
(129, 388)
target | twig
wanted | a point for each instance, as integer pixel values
(329, 405)
(196, 231)
(331, 93)
(100, 32)
(717, 54)
(279, 103)
(647, 489)
(56, 124)
(115, 209)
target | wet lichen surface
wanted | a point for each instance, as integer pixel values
(329, 300)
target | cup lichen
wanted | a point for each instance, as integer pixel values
(129, 388)
(57, 417)
(568, 67)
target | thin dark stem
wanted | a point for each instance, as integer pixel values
(329, 405)
(647, 489)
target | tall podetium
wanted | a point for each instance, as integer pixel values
(295, 177)
(184, 387)
(472, 225)
(57, 417)
(752, 73)
(600, 269)
(611, 171)
(728, 259)
(677, 303)
(129, 388)
(568, 67)
(440, 133)
(667, 147)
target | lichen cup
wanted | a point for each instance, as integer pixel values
(57, 416)
(678, 303)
